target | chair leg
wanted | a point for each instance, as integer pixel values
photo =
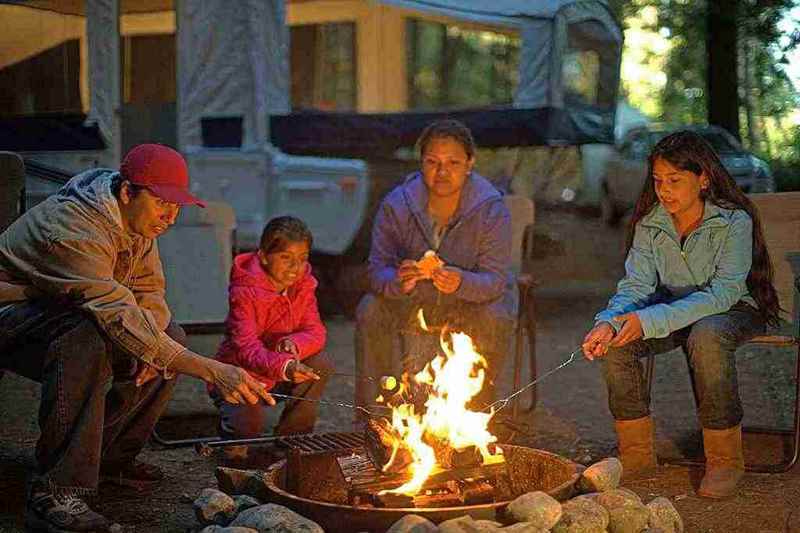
(530, 324)
(784, 466)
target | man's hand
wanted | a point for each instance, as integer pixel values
(631, 329)
(447, 279)
(297, 372)
(408, 274)
(146, 373)
(595, 343)
(237, 386)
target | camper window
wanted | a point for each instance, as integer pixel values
(451, 66)
(323, 66)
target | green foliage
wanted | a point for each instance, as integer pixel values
(768, 98)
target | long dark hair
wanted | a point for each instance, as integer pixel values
(688, 151)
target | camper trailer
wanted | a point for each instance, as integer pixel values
(301, 106)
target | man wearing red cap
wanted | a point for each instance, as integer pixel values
(82, 311)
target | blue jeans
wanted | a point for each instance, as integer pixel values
(90, 410)
(244, 420)
(385, 325)
(710, 345)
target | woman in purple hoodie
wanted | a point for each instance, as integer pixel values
(449, 209)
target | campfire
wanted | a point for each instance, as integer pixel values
(431, 429)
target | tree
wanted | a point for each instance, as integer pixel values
(722, 80)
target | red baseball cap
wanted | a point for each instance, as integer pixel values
(162, 171)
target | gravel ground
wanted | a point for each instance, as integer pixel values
(577, 261)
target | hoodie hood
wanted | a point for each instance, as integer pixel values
(93, 189)
(248, 272)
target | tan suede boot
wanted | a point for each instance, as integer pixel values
(637, 449)
(724, 462)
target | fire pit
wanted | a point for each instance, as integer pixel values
(434, 456)
(341, 488)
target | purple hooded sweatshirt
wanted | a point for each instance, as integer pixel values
(477, 240)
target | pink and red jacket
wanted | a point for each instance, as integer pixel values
(259, 317)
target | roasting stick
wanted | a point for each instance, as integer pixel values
(500, 404)
(328, 402)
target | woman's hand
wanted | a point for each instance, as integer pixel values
(595, 343)
(236, 386)
(297, 372)
(631, 329)
(447, 279)
(408, 274)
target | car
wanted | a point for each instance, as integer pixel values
(626, 168)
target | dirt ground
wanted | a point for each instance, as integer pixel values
(576, 261)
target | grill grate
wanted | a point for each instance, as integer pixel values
(321, 442)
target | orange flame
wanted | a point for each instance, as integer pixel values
(453, 380)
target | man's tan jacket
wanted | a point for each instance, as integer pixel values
(72, 248)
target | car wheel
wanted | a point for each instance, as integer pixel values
(608, 211)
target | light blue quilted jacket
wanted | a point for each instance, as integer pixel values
(670, 285)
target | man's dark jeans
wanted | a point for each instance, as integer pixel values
(91, 410)
(242, 421)
(383, 323)
(710, 345)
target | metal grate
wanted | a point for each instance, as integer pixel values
(321, 442)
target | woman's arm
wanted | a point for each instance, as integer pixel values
(639, 284)
(488, 281)
(243, 331)
(384, 254)
(726, 287)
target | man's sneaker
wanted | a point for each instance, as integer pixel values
(63, 514)
(135, 474)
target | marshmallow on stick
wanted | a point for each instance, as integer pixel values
(429, 264)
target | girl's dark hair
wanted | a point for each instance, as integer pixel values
(688, 151)
(280, 231)
(447, 129)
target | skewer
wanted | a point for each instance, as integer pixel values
(328, 402)
(500, 404)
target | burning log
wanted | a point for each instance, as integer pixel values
(379, 442)
(448, 457)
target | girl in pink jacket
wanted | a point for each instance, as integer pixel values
(274, 331)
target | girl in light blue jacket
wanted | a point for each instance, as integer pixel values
(698, 276)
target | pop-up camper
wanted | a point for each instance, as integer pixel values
(279, 105)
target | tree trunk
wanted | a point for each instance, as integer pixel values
(746, 75)
(722, 93)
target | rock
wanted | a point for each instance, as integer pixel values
(539, 509)
(271, 518)
(221, 529)
(626, 512)
(245, 501)
(214, 507)
(582, 516)
(523, 527)
(467, 524)
(412, 523)
(632, 518)
(601, 476)
(234, 481)
(664, 516)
